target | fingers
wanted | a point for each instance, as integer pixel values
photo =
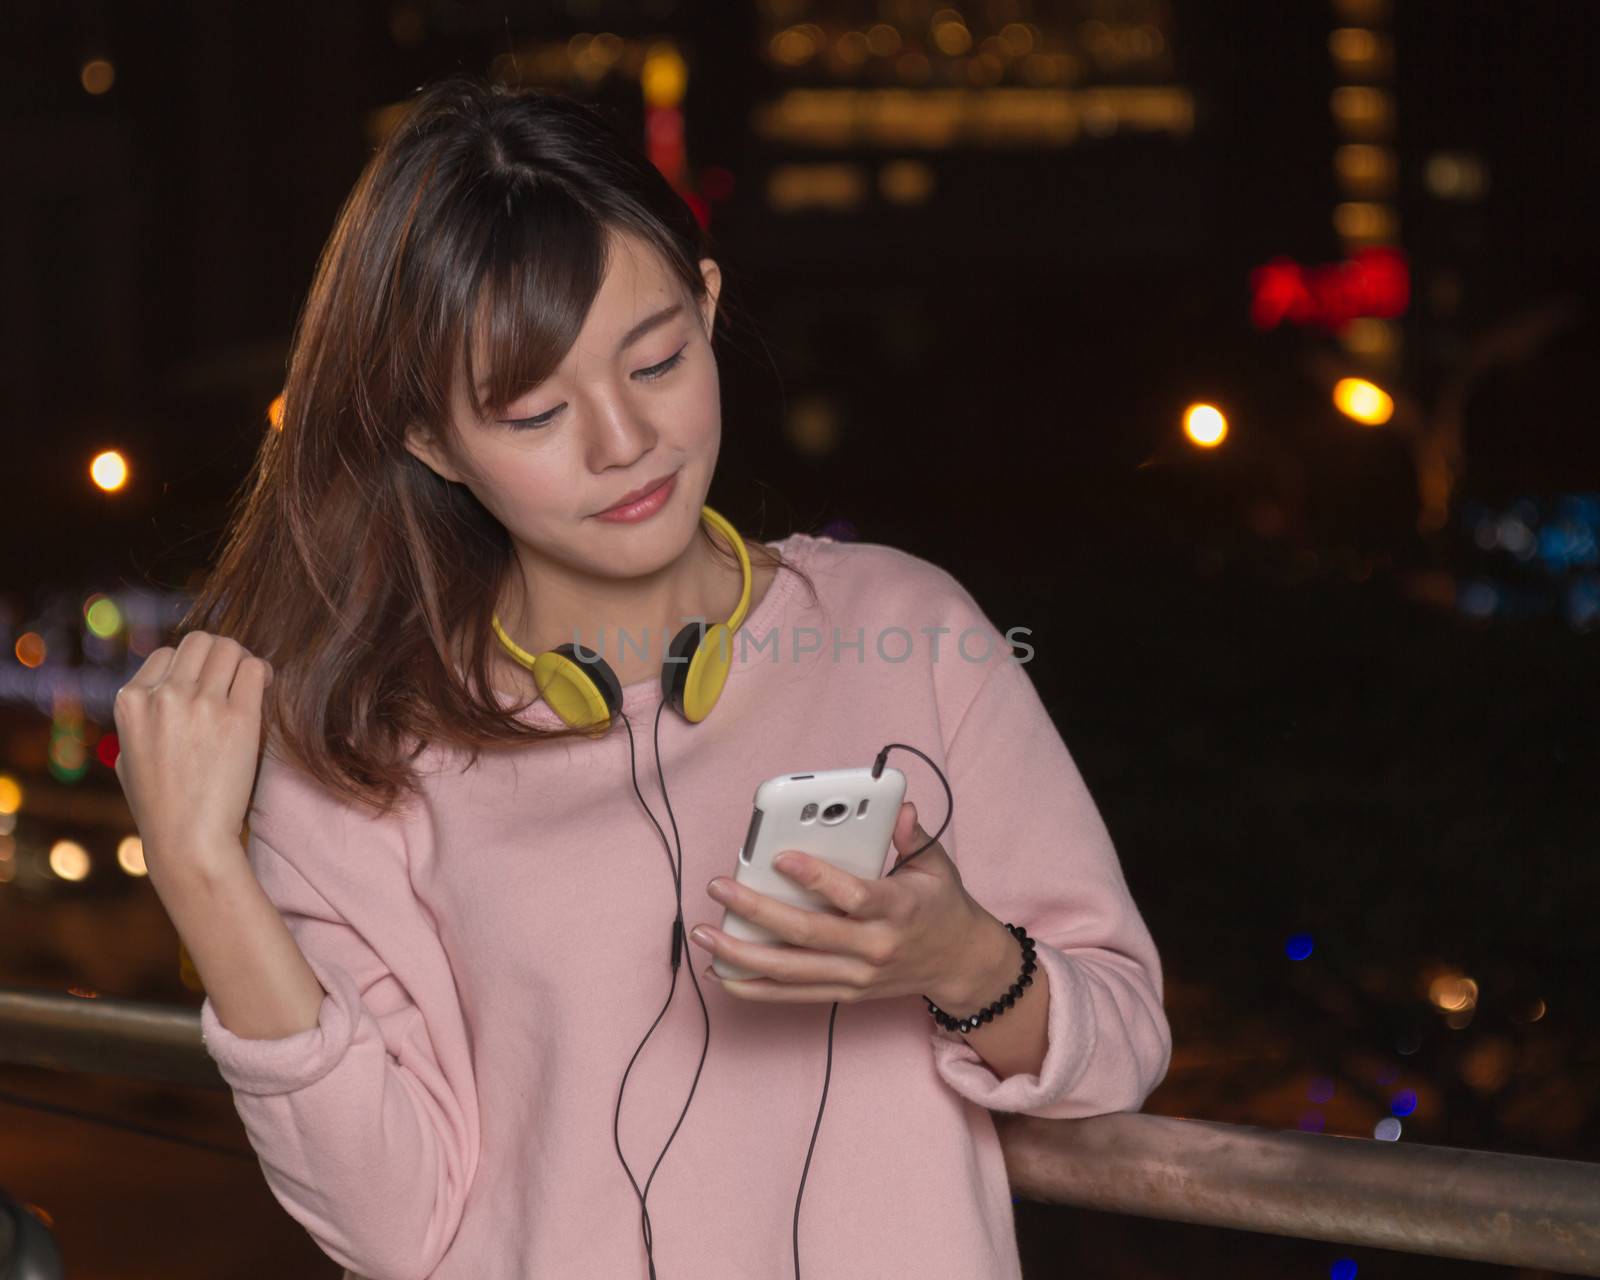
(191, 655)
(220, 667)
(154, 670)
(211, 664)
(802, 973)
(907, 834)
(770, 992)
(250, 681)
(909, 837)
(850, 894)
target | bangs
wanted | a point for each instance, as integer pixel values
(541, 260)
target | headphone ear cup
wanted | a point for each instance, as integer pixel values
(697, 683)
(578, 685)
(680, 656)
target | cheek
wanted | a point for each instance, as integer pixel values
(703, 408)
(525, 494)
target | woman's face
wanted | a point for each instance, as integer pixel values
(616, 416)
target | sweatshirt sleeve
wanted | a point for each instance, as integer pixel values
(366, 1125)
(1032, 849)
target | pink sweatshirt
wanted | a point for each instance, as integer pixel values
(493, 958)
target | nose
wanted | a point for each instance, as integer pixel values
(620, 434)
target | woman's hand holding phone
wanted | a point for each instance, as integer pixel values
(917, 932)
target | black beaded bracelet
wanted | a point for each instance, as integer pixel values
(1029, 964)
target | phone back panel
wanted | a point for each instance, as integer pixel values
(798, 811)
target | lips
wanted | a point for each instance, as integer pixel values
(636, 494)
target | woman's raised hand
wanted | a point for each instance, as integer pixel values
(189, 733)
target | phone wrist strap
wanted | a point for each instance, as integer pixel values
(989, 1014)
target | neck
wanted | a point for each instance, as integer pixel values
(629, 621)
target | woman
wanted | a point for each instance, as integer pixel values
(449, 928)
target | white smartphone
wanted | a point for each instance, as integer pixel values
(844, 816)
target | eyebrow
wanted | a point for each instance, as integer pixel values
(652, 321)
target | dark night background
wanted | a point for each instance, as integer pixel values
(1346, 749)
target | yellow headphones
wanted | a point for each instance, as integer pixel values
(584, 692)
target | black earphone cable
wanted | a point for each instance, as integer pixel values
(677, 954)
(950, 808)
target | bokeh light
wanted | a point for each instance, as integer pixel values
(1205, 425)
(1363, 401)
(130, 856)
(1453, 991)
(30, 649)
(69, 860)
(102, 616)
(97, 76)
(109, 470)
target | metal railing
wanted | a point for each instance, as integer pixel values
(1478, 1206)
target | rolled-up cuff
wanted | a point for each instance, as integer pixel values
(290, 1062)
(1071, 1032)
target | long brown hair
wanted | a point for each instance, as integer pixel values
(365, 578)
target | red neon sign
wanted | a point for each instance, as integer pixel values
(1375, 282)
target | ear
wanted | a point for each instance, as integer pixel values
(711, 273)
(422, 447)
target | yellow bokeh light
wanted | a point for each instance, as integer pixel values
(69, 860)
(1366, 221)
(102, 616)
(950, 34)
(1362, 111)
(130, 856)
(97, 76)
(109, 470)
(1205, 425)
(275, 412)
(883, 40)
(1018, 38)
(10, 794)
(1366, 169)
(792, 47)
(664, 77)
(1363, 401)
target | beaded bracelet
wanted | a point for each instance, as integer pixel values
(1029, 964)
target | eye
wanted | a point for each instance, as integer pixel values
(648, 375)
(657, 370)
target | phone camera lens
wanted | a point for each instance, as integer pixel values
(834, 812)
